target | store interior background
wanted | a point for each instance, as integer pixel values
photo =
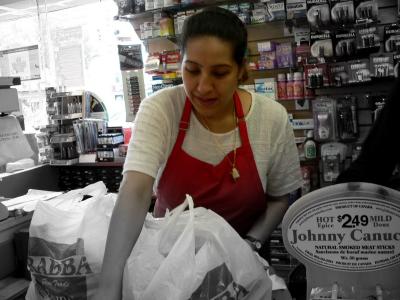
(77, 49)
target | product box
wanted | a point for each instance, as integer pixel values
(303, 53)
(321, 44)
(258, 14)
(266, 46)
(275, 10)
(339, 73)
(296, 9)
(392, 38)
(366, 10)
(359, 71)
(267, 60)
(316, 75)
(301, 35)
(342, 12)
(345, 43)
(318, 13)
(382, 65)
(368, 39)
(285, 55)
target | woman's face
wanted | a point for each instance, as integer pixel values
(210, 75)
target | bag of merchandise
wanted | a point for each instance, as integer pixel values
(13, 143)
(66, 244)
(192, 254)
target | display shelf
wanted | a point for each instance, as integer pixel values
(64, 162)
(62, 139)
(66, 117)
(180, 7)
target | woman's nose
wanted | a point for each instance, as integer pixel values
(204, 84)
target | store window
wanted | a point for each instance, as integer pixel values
(77, 48)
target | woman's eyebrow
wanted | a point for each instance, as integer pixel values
(214, 66)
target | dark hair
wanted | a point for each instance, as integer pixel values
(218, 22)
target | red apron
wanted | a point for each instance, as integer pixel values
(240, 203)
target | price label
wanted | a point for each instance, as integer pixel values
(352, 235)
(350, 221)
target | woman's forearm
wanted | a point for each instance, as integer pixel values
(125, 226)
(272, 216)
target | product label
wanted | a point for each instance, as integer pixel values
(352, 235)
(58, 270)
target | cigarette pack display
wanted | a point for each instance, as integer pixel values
(318, 13)
(345, 43)
(392, 38)
(342, 12)
(359, 71)
(321, 44)
(366, 10)
(382, 65)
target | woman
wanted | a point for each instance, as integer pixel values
(231, 150)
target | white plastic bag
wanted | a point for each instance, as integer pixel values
(13, 143)
(193, 254)
(66, 246)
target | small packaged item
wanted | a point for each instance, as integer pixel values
(333, 156)
(321, 44)
(368, 39)
(392, 38)
(125, 7)
(324, 114)
(285, 55)
(332, 292)
(345, 43)
(267, 60)
(296, 9)
(275, 10)
(339, 74)
(139, 6)
(396, 62)
(318, 13)
(366, 10)
(317, 76)
(166, 26)
(359, 71)
(382, 65)
(282, 95)
(342, 12)
(270, 88)
(346, 111)
(266, 46)
(266, 87)
(258, 14)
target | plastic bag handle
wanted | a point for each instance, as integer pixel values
(170, 221)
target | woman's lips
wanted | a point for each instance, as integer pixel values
(206, 101)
